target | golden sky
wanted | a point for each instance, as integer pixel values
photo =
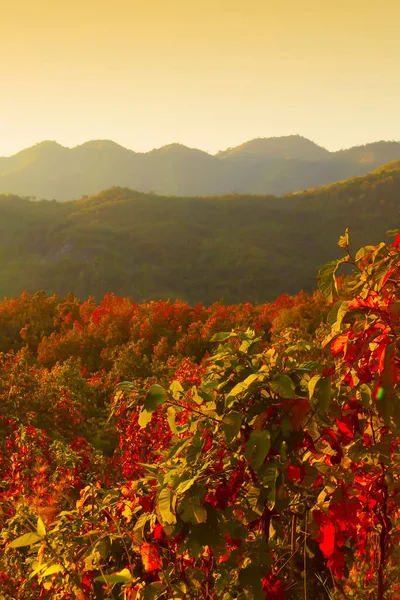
(206, 73)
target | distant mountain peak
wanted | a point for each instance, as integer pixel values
(101, 145)
(176, 147)
(44, 146)
(288, 146)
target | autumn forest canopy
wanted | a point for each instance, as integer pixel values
(200, 395)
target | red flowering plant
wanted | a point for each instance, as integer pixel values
(362, 506)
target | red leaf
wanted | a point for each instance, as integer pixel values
(339, 344)
(150, 557)
(327, 535)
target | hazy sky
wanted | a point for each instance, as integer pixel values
(206, 73)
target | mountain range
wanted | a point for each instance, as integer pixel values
(277, 165)
(237, 247)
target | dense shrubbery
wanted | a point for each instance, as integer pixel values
(233, 452)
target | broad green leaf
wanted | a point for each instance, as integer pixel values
(123, 576)
(364, 394)
(184, 486)
(176, 389)
(195, 396)
(164, 501)
(231, 425)
(192, 512)
(199, 513)
(171, 413)
(311, 385)
(139, 528)
(372, 250)
(283, 386)
(243, 385)
(25, 540)
(336, 316)
(154, 590)
(125, 386)
(322, 394)
(221, 337)
(327, 279)
(155, 396)
(52, 570)
(257, 448)
(145, 417)
(40, 528)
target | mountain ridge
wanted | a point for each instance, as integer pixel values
(277, 165)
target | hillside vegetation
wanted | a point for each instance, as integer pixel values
(161, 451)
(236, 247)
(276, 165)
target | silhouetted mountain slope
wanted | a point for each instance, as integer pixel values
(288, 147)
(238, 247)
(270, 165)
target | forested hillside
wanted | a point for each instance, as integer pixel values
(276, 165)
(236, 247)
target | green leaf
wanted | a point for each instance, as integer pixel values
(283, 386)
(139, 528)
(154, 590)
(155, 397)
(164, 502)
(184, 486)
(176, 389)
(257, 448)
(145, 417)
(243, 385)
(221, 337)
(364, 394)
(125, 386)
(28, 539)
(231, 425)
(171, 413)
(327, 279)
(52, 570)
(191, 511)
(323, 393)
(336, 316)
(40, 528)
(312, 384)
(123, 576)
(199, 513)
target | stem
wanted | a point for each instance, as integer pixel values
(305, 559)
(293, 545)
(191, 409)
(266, 521)
(383, 518)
